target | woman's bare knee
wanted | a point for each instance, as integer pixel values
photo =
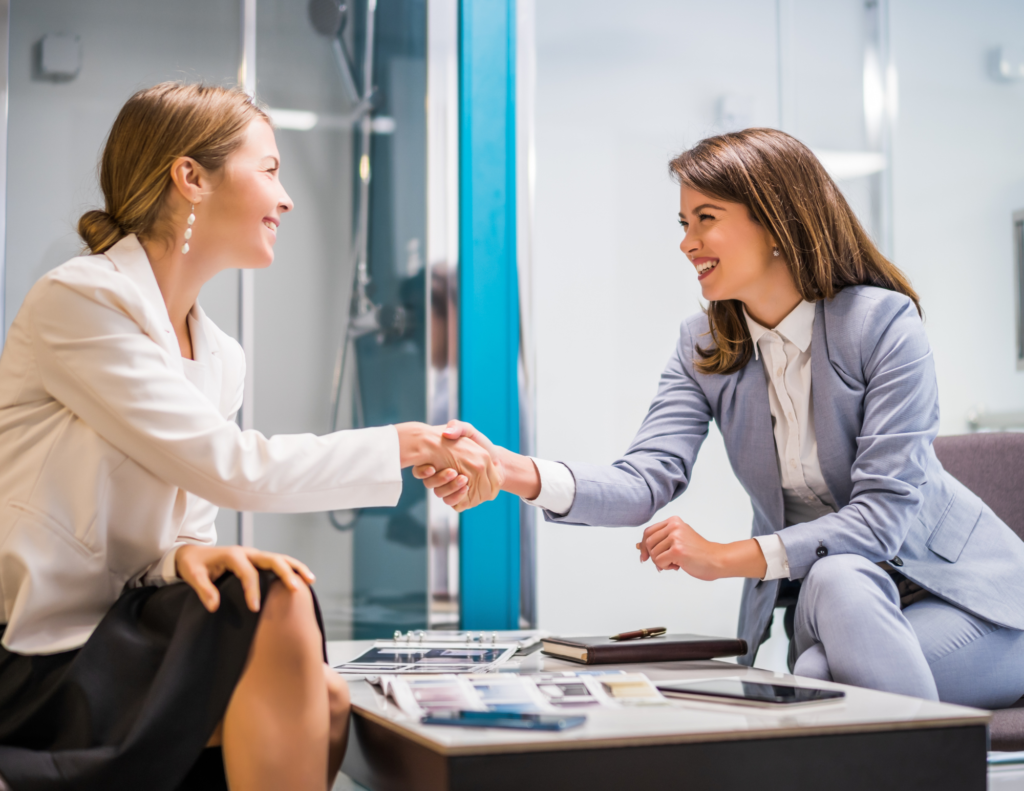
(288, 627)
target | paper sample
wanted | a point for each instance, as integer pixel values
(427, 658)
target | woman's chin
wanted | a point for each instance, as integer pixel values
(261, 259)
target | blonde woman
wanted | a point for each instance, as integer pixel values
(117, 445)
(813, 361)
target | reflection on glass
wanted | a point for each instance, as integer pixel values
(341, 315)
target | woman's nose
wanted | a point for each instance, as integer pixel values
(286, 204)
(689, 245)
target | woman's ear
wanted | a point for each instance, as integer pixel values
(189, 178)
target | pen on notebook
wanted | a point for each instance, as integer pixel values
(640, 633)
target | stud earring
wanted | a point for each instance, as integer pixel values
(188, 230)
(775, 252)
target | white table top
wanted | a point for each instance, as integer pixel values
(677, 722)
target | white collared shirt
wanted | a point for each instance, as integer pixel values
(785, 353)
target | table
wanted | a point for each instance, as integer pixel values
(870, 740)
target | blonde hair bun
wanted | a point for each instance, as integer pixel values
(99, 230)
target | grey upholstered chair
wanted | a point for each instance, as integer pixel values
(992, 466)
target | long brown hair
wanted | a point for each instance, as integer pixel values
(155, 127)
(788, 192)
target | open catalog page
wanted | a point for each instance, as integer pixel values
(520, 693)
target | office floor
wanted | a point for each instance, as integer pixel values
(1005, 777)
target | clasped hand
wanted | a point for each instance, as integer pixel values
(464, 468)
(446, 481)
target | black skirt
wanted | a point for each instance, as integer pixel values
(135, 706)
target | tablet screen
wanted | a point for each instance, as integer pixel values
(733, 690)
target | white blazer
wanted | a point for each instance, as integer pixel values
(111, 458)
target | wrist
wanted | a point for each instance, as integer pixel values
(741, 559)
(178, 554)
(414, 443)
(521, 476)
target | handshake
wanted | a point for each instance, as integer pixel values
(459, 463)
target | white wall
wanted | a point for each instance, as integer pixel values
(57, 129)
(958, 177)
(619, 91)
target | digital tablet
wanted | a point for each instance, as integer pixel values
(747, 693)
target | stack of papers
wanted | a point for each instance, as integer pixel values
(522, 639)
(387, 657)
(521, 693)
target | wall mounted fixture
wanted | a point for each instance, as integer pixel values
(60, 57)
(1006, 64)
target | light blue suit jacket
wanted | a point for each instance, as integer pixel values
(876, 412)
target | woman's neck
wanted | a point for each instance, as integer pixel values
(179, 280)
(773, 298)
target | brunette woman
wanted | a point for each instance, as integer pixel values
(812, 359)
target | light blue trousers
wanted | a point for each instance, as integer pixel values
(849, 628)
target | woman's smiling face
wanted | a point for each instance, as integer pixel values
(731, 253)
(237, 220)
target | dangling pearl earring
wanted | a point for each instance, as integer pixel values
(192, 219)
(775, 251)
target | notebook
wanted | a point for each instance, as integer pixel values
(601, 650)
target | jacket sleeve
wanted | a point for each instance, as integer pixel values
(94, 358)
(657, 466)
(900, 421)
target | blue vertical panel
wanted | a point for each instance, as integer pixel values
(489, 300)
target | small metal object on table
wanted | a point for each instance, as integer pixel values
(870, 740)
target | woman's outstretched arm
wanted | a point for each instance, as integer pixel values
(670, 544)
(657, 466)
(97, 356)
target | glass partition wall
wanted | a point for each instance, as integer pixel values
(339, 324)
(341, 327)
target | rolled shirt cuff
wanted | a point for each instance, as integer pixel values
(775, 554)
(557, 487)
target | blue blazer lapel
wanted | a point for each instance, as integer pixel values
(750, 441)
(838, 400)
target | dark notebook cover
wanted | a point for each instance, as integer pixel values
(601, 650)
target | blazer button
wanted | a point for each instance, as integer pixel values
(896, 561)
(822, 550)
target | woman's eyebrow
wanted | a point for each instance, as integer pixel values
(682, 216)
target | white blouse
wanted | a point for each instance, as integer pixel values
(785, 354)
